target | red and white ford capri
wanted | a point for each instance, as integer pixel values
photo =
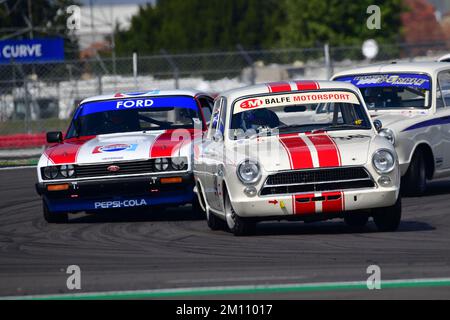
(124, 151)
(266, 157)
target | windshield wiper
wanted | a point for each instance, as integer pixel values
(286, 126)
(339, 126)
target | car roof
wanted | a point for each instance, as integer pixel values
(444, 58)
(291, 86)
(404, 67)
(151, 93)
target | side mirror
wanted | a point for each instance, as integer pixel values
(54, 137)
(378, 125)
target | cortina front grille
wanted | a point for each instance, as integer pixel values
(317, 180)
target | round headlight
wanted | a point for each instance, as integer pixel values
(179, 163)
(383, 161)
(161, 164)
(51, 172)
(388, 134)
(67, 171)
(248, 172)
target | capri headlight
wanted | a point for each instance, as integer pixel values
(249, 172)
(51, 172)
(388, 134)
(67, 171)
(383, 161)
(179, 163)
(161, 164)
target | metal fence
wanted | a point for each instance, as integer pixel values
(41, 97)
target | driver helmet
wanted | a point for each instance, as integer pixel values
(253, 119)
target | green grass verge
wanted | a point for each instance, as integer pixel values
(18, 163)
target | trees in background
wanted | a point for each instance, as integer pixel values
(339, 23)
(186, 25)
(420, 23)
(192, 25)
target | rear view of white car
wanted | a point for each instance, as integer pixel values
(411, 101)
(264, 159)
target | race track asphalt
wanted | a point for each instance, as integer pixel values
(142, 250)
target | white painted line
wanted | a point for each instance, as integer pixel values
(192, 291)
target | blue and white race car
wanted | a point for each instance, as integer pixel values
(123, 151)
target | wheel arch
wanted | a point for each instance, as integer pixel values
(225, 191)
(428, 157)
(201, 195)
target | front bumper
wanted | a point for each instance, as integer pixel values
(97, 194)
(317, 203)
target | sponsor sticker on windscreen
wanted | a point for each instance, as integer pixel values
(419, 81)
(136, 104)
(295, 99)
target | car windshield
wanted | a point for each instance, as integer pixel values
(393, 91)
(289, 113)
(130, 115)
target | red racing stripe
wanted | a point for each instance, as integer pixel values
(297, 150)
(303, 204)
(66, 152)
(334, 202)
(166, 146)
(299, 158)
(279, 86)
(307, 85)
(328, 152)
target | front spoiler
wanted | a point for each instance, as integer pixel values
(97, 194)
(282, 206)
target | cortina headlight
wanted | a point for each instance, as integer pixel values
(388, 134)
(161, 164)
(67, 171)
(248, 172)
(383, 161)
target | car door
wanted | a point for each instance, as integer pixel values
(212, 149)
(442, 148)
(218, 157)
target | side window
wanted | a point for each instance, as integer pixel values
(223, 115)
(214, 118)
(206, 105)
(443, 90)
(439, 98)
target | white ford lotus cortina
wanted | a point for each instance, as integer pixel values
(412, 101)
(267, 157)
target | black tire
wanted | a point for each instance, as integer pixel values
(414, 182)
(388, 219)
(237, 225)
(51, 217)
(356, 219)
(214, 222)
